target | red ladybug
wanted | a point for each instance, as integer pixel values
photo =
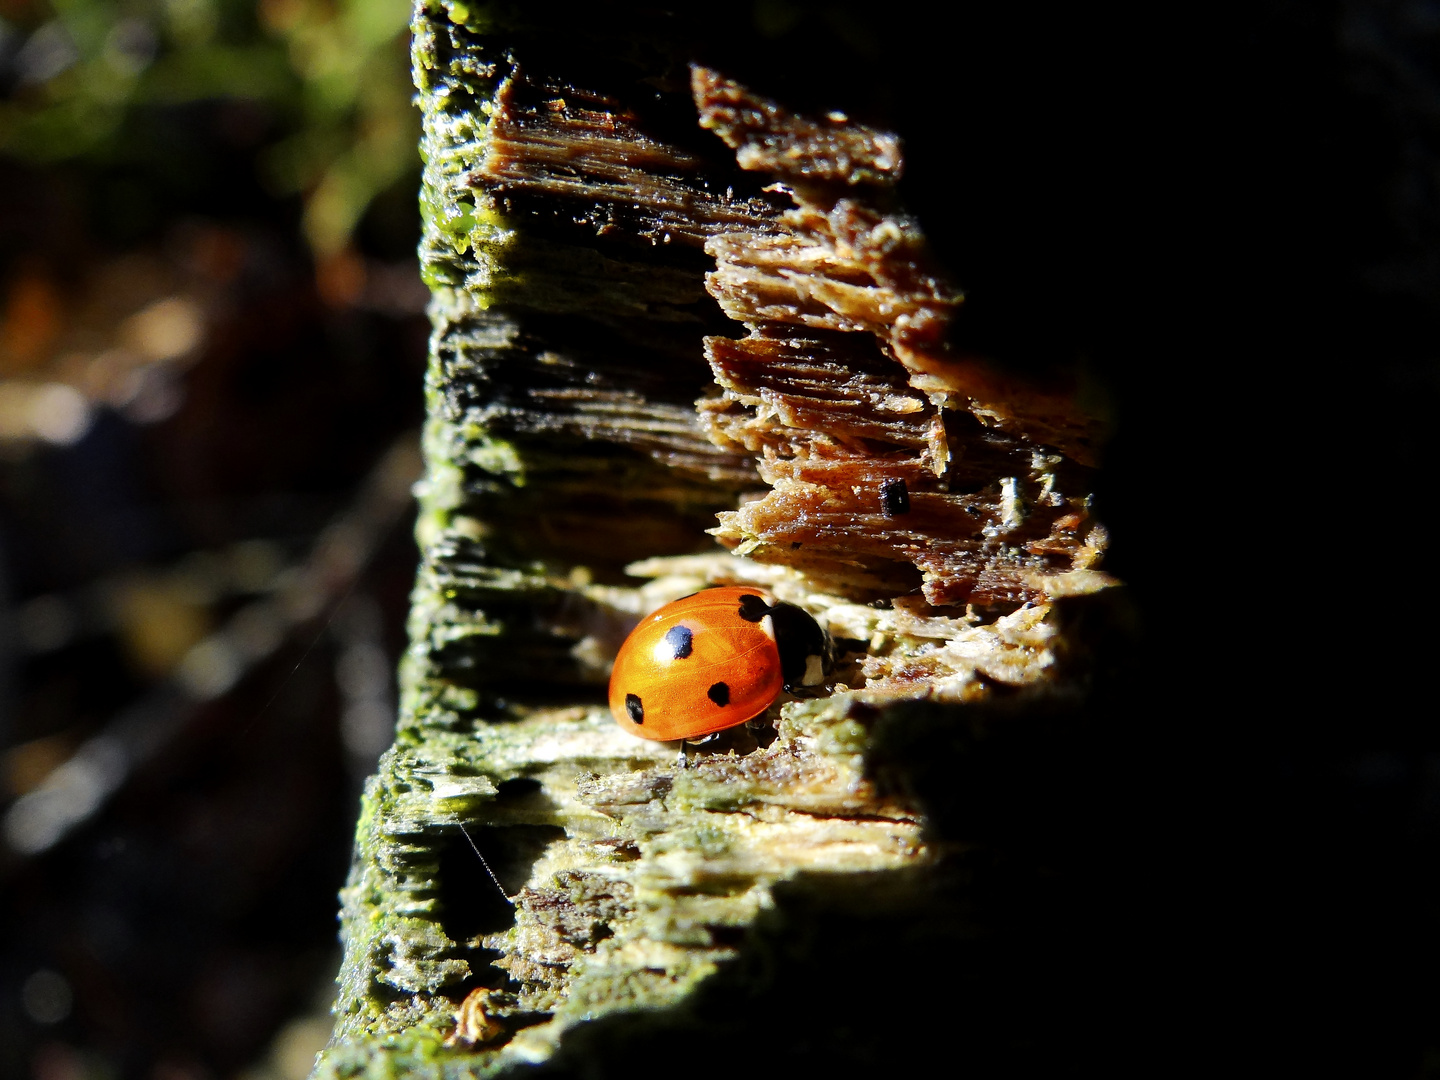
(713, 660)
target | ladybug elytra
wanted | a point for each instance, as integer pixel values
(713, 660)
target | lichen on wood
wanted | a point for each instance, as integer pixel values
(529, 879)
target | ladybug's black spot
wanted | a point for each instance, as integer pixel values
(752, 608)
(896, 498)
(719, 694)
(635, 708)
(679, 639)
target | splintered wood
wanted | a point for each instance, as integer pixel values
(884, 450)
(615, 221)
(892, 461)
(555, 141)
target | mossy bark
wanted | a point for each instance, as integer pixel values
(827, 887)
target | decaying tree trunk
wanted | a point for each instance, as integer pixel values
(687, 335)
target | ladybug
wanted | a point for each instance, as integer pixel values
(713, 660)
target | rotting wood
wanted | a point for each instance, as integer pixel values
(579, 447)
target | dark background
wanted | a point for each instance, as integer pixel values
(171, 154)
(1227, 217)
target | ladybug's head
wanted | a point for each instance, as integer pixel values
(807, 654)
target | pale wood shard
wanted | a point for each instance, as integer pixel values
(769, 138)
(845, 269)
(473, 1022)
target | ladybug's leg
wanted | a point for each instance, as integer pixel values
(802, 690)
(685, 745)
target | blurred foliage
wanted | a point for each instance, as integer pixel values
(330, 77)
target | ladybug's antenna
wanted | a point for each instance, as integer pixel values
(485, 864)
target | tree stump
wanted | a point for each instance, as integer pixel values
(686, 334)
